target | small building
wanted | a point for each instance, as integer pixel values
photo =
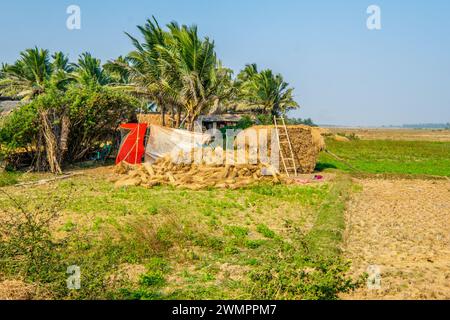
(219, 121)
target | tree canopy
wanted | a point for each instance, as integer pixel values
(264, 92)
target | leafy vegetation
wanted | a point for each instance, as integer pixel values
(58, 127)
(8, 178)
(263, 92)
(174, 68)
(67, 112)
(295, 121)
(28, 249)
(310, 267)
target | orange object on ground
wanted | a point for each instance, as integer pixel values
(132, 147)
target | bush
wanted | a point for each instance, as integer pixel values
(300, 278)
(17, 132)
(95, 114)
(27, 249)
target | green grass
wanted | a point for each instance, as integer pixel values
(389, 157)
(211, 244)
(327, 234)
(8, 178)
(310, 265)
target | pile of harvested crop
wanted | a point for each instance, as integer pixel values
(307, 142)
(194, 176)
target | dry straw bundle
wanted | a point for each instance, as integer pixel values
(194, 176)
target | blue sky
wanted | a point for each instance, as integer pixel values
(342, 72)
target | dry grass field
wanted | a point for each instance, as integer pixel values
(401, 226)
(395, 134)
(400, 220)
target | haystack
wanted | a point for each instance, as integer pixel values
(154, 118)
(307, 142)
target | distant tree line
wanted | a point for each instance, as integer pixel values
(427, 126)
(307, 121)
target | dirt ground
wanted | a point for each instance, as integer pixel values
(395, 134)
(401, 227)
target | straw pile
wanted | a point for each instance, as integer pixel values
(16, 290)
(194, 176)
(153, 118)
(307, 142)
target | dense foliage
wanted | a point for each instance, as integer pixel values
(307, 121)
(264, 92)
(69, 108)
(92, 115)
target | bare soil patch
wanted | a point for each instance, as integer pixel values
(402, 226)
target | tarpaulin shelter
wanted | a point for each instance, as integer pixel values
(164, 141)
(160, 142)
(132, 146)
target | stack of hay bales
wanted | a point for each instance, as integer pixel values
(194, 176)
(155, 119)
(307, 142)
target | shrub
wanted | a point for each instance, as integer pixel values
(17, 132)
(95, 114)
(27, 248)
(299, 278)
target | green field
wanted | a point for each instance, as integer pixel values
(265, 241)
(389, 157)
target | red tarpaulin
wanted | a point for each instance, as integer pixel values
(132, 146)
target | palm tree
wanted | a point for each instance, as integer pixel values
(265, 92)
(118, 71)
(61, 63)
(33, 72)
(141, 67)
(191, 64)
(28, 76)
(61, 70)
(88, 71)
(176, 70)
(249, 71)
